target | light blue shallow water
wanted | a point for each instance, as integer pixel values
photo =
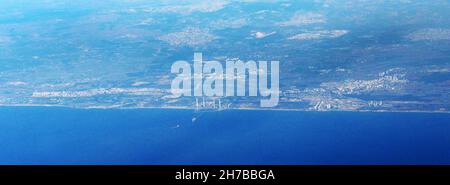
(49, 135)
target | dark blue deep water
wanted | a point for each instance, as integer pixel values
(49, 135)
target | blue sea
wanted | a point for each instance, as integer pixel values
(54, 135)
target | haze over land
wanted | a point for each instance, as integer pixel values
(334, 55)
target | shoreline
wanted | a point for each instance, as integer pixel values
(216, 110)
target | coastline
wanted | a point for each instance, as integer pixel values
(118, 107)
